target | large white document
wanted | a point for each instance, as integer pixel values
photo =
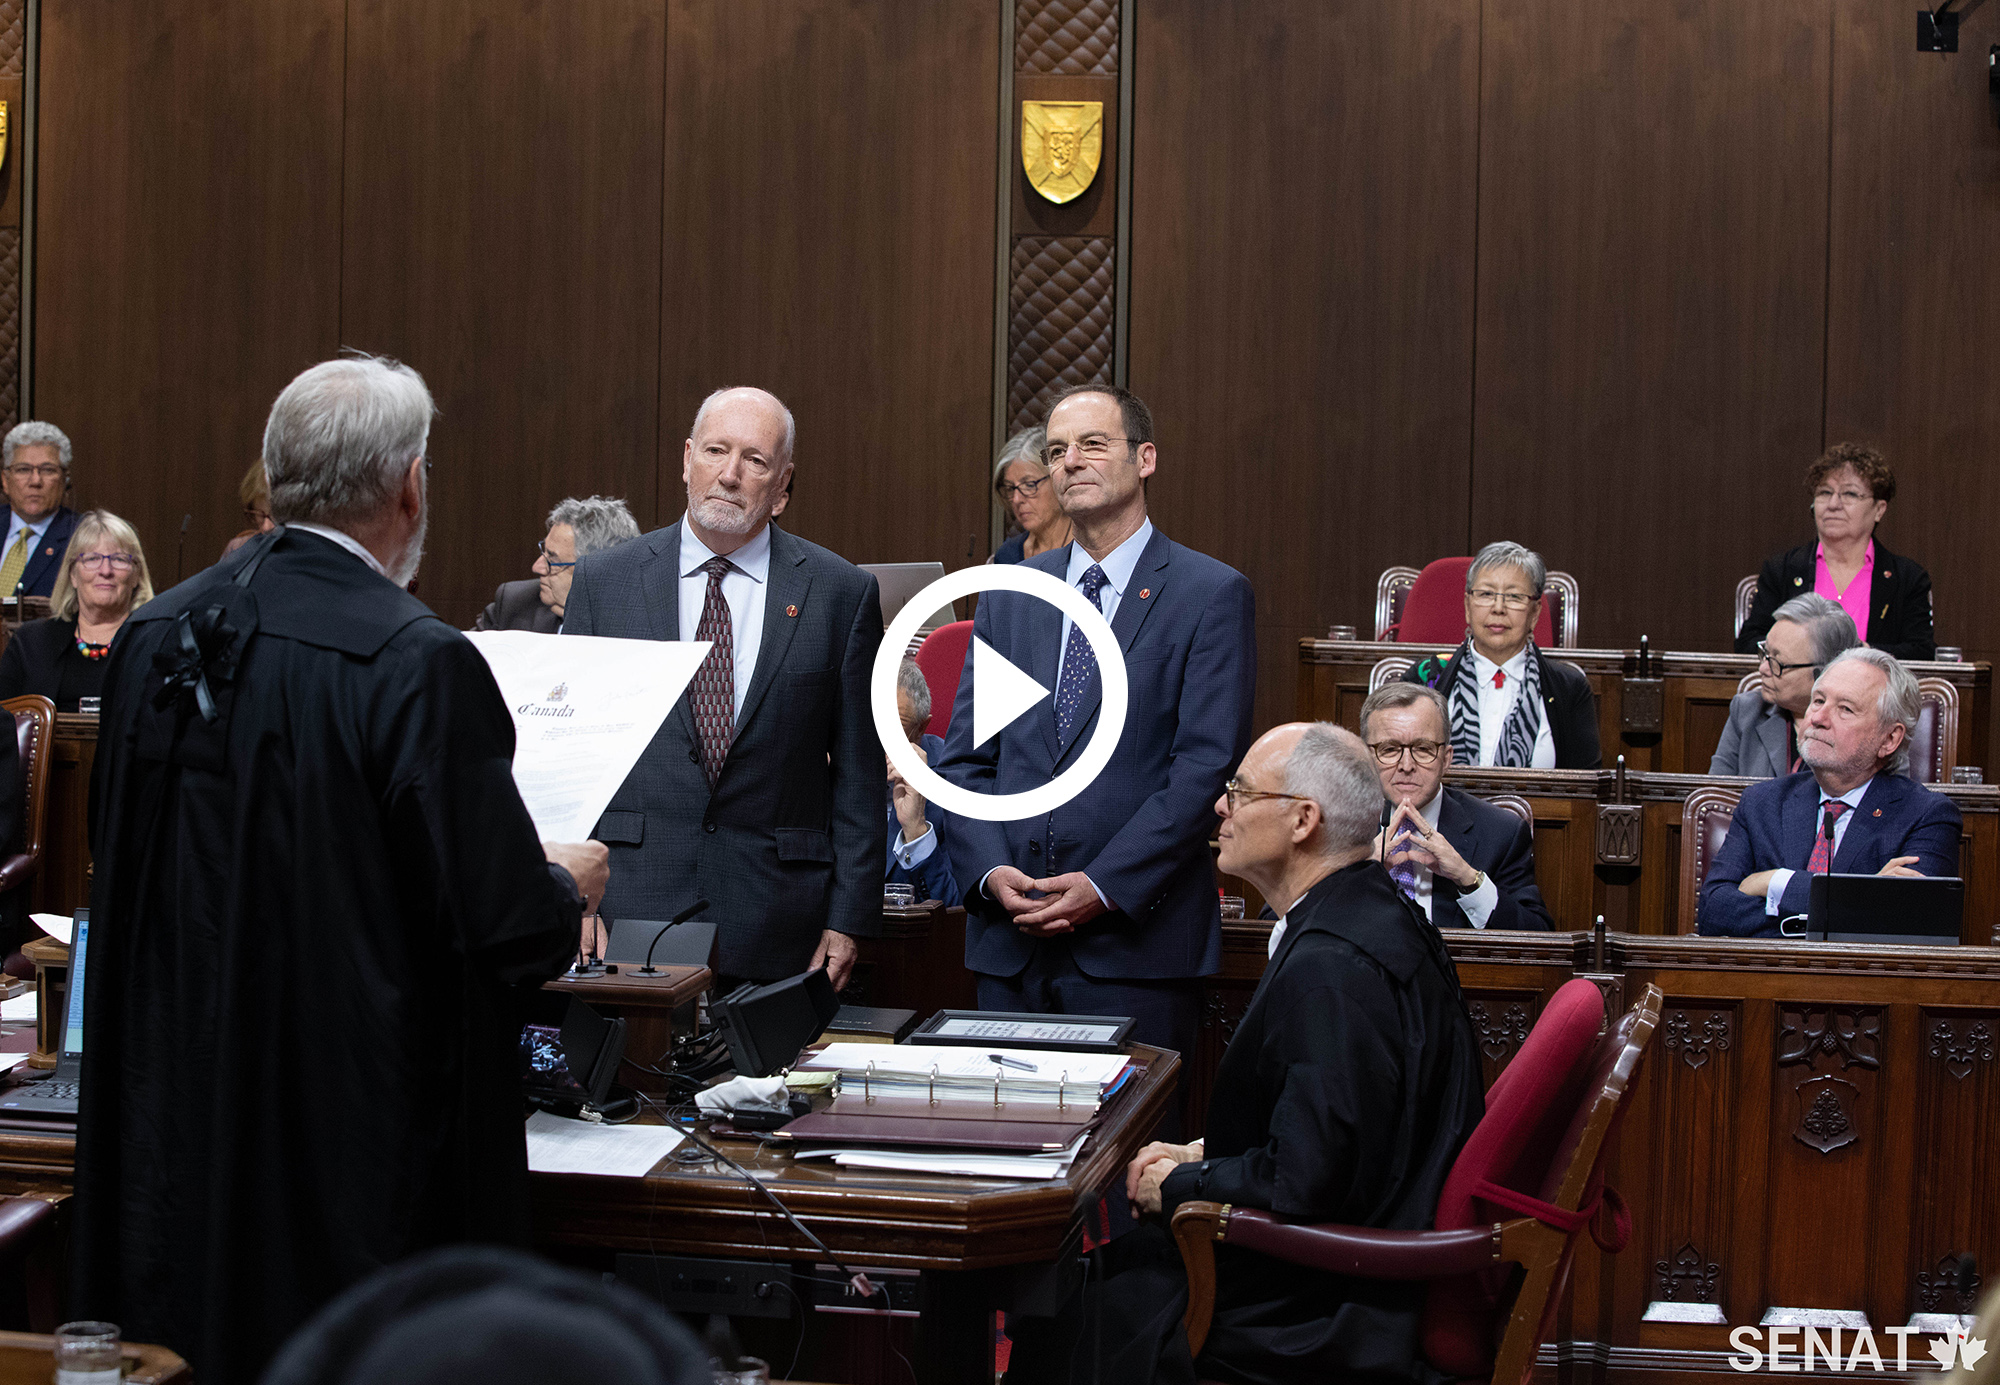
(585, 708)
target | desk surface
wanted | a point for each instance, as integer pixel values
(27, 1358)
(889, 1220)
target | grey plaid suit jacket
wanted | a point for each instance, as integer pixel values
(790, 840)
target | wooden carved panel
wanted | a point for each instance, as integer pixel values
(1851, 1036)
(1691, 1124)
(1955, 1122)
(1071, 38)
(1686, 1275)
(1695, 1035)
(1938, 1289)
(1500, 1022)
(1959, 1044)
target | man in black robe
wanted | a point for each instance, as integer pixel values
(317, 893)
(1351, 1082)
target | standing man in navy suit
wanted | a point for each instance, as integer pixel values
(1108, 904)
(1851, 810)
(34, 473)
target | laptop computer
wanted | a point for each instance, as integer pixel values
(1922, 912)
(898, 582)
(55, 1095)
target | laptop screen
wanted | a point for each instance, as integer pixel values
(73, 1024)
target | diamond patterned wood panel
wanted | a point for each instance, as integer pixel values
(10, 327)
(1076, 38)
(1059, 321)
(13, 36)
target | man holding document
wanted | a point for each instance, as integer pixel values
(317, 895)
(763, 790)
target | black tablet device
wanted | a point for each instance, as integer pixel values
(572, 1060)
(971, 1028)
(1915, 911)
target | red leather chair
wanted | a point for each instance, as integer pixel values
(1538, 1154)
(1433, 612)
(942, 659)
(1705, 818)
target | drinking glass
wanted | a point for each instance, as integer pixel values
(749, 1371)
(899, 896)
(87, 1353)
(1232, 907)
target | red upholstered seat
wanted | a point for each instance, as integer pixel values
(1434, 611)
(1529, 1109)
(942, 659)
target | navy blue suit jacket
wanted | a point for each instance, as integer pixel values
(38, 578)
(1774, 828)
(1495, 841)
(930, 877)
(1187, 624)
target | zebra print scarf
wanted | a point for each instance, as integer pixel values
(1516, 749)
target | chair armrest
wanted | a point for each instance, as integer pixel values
(20, 1217)
(1196, 1227)
(1365, 1251)
(16, 869)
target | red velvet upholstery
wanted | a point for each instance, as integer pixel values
(1434, 611)
(1529, 1109)
(942, 658)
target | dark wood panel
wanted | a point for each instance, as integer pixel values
(188, 245)
(1913, 291)
(829, 236)
(1302, 287)
(502, 234)
(1652, 261)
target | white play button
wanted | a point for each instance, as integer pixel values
(1000, 692)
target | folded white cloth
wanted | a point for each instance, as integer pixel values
(743, 1094)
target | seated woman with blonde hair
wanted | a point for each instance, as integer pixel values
(103, 578)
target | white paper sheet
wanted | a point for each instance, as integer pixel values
(585, 708)
(556, 1145)
(21, 1007)
(10, 1061)
(57, 926)
(971, 1164)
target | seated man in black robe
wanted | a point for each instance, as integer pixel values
(317, 897)
(1344, 1096)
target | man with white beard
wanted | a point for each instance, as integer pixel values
(763, 790)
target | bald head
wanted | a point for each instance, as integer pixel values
(1306, 794)
(736, 463)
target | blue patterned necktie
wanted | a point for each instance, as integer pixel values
(1403, 872)
(1079, 663)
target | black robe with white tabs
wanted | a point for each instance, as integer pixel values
(311, 917)
(1350, 1084)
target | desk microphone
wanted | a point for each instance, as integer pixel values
(682, 917)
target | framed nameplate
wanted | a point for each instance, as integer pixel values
(971, 1028)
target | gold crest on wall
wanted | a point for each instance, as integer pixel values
(3, 132)
(1061, 145)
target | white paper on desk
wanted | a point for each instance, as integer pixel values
(10, 1061)
(556, 1145)
(585, 708)
(57, 926)
(21, 1007)
(1049, 1165)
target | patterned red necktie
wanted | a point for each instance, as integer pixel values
(1822, 857)
(713, 692)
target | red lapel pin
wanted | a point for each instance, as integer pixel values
(791, 610)
(1145, 592)
(1878, 812)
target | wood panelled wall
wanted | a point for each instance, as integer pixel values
(574, 220)
(1402, 281)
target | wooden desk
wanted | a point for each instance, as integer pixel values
(1814, 1127)
(28, 1358)
(62, 886)
(1696, 689)
(977, 1241)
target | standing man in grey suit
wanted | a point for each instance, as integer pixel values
(763, 790)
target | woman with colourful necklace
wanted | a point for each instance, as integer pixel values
(103, 578)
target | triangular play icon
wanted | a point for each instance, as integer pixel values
(1000, 692)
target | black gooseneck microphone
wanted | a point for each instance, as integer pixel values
(682, 917)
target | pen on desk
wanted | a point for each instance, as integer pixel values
(1010, 1062)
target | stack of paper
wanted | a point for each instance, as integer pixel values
(556, 1145)
(949, 1073)
(1054, 1164)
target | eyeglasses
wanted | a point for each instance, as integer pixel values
(1027, 488)
(1824, 496)
(1391, 752)
(117, 562)
(553, 565)
(1769, 659)
(1506, 601)
(1232, 793)
(1091, 449)
(44, 473)
(255, 515)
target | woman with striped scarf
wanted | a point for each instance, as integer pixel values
(1511, 706)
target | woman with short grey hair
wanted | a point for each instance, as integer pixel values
(1511, 706)
(1760, 740)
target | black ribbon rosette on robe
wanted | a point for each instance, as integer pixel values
(193, 679)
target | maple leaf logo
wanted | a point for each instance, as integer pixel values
(1970, 1351)
(1943, 1349)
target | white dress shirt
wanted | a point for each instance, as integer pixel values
(1278, 928)
(346, 541)
(743, 589)
(910, 855)
(1478, 906)
(1496, 703)
(1783, 876)
(1119, 565)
